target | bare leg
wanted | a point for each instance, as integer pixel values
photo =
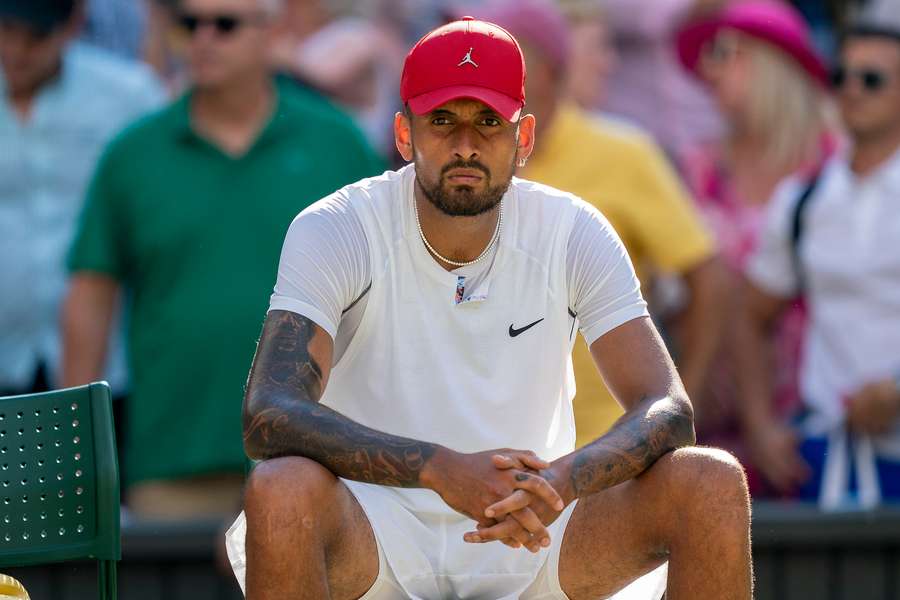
(307, 536)
(691, 508)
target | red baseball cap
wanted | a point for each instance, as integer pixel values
(465, 59)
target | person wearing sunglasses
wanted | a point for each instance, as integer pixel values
(186, 215)
(836, 240)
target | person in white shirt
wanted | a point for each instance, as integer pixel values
(61, 101)
(845, 448)
(420, 329)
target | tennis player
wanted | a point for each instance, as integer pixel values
(414, 374)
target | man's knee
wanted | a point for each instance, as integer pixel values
(288, 487)
(703, 476)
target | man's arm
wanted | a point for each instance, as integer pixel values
(773, 445)
(637, 369)
(701, 325)
(282, 417)
(639, 372)
(87, 316)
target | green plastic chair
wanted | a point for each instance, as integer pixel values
(59, 481)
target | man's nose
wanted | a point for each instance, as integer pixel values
(466, 143)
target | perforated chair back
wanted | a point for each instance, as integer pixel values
(59, 480)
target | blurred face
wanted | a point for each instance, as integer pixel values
(542, 85)
(29, 58)
(593, 57)
(868, 86)
(227, 40)
(465, 154)
(725, 66)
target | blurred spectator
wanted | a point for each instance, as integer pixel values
(117, 26)
(622, 173)
(60, 102)
(835, 240)
(826, 18)
(353, 56)
(647, 86)
(186, 214)
(592, 55)
(758, 59)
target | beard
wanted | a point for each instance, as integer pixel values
(463, 200)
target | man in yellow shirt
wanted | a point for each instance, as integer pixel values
(623, 173)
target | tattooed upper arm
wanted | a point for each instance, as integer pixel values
(283, 417)
(292, 362)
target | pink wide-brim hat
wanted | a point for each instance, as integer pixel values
(769, 20)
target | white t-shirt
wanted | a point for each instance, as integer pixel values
(850, 256)
(473, 359)
(325, 271)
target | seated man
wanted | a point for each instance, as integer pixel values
(426, 317)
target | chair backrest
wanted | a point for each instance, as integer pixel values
(59, 477)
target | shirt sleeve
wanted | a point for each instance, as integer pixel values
(324, 264)
(604, 291)
(99, 243)
(666, 223)
(771, 266)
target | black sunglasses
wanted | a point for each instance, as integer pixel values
(223, 24)
(871, 80)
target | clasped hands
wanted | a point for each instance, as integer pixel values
(507, 492)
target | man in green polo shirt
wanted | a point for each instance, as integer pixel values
(186, 214)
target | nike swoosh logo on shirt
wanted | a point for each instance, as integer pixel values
(513, 332)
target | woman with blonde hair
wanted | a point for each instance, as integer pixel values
(757, 58)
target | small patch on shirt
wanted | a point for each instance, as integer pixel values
(460, 289)
(460, 296)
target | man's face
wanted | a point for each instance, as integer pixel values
(593, 59)
(465, 154)
(869, 94)
(29, 57)
(227, 40)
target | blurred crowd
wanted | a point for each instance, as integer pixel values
(154, 152)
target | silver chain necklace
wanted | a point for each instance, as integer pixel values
(457, 263)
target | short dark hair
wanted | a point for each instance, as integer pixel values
(869, 27)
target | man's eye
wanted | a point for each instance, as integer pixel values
(491, 121)
(440, 121)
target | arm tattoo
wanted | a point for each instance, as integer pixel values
(653, 428)
(282, 416)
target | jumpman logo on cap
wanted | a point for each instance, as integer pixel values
(467, 59)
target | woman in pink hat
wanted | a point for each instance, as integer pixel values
(757, 58)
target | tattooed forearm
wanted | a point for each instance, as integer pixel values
(633, 444)
(282, 416)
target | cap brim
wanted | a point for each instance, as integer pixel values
(506, 107)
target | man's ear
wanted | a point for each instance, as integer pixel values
(403, 136)
(525, 141)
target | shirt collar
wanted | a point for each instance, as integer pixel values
(272, 130)
(886, 175)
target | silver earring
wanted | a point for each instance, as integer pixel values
(521, 163)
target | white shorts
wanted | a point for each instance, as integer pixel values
(422, 556)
